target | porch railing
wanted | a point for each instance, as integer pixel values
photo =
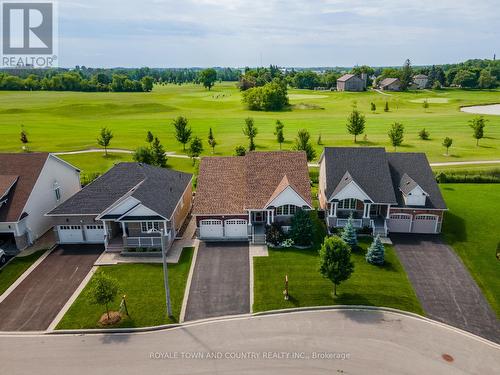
(144, 242)
(358, 223)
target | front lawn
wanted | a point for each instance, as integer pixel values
(143, 285)
(472, 228)
(369, 285)
(11, 272)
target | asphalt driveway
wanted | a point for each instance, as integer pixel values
(443, 285)
(34, 304)
(221, 281)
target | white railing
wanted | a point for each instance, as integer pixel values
(372, 225)
(358, 223)
(144, 242)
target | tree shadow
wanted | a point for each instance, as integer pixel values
(454, 228)
(367, 143)
(115, 338)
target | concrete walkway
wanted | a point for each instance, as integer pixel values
(115, 150)
(443, 285)
(313, 342)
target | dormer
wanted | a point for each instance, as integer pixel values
(413, 194)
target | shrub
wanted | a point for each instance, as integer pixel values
(274, 234)
(301, 231)
(287, 243)
(423, 134)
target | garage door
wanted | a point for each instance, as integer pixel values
(211, 229)
(399, 223)
(70, 234)
(236, 228)
(94, 233)
(425, 224)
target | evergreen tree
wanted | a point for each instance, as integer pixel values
(301, 229)
(143, 154)
(396, 134)
(406, 75)
(23, 137)
(335, 261)
(158, 153)
(376, 252)
(349, 234)
(149, 137)
(211, 140)
(278, 132)
(356, 123)
(302, 143)
(182, 131)
(251, 132)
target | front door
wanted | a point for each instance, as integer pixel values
(258, 216)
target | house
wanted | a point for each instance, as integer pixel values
(390, 84)
(385, 192)
(133, 205)
(351, 82)
(421, 81)
(237, 196)
(31, 184)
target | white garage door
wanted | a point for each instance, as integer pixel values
(70, 234)
(211, 229)
(236, 228)
(399, 223)
(425, 224)
(94, 233)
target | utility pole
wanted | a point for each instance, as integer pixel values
(165, 276)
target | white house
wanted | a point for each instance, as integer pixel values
(31, 184)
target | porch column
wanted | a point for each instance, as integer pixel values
(268, 217)
(335, 209)
(366, 213)
(165, 227)
(124, 234)
(388, 211)
(272, 216)
(249, 217)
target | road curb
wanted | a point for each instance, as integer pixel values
(188, 282)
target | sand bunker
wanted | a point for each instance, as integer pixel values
(490, 109)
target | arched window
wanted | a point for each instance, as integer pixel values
(348, 204)
(286, 210)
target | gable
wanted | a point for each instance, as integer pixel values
(140, 211)
(120, 208)
(351, 190)
(288, 196)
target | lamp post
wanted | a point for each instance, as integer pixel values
(165, 271)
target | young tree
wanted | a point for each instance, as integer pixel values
(302, 143)
(143, 154)
(251, 132)
(158, 153)
(319, 141)
(195, 148)
(423, 134)
(301, 229)
(425, 104)
(386, 108)
(356, 123)
(349, 234)
(478, 124)
(396, 134)
(278, 132)
(208, 77)
(102, 290)
(182, 131)
(373, 107)
(240, 150)
(376, 252)
(23, 136)
(447, 142)
(335, 261)
(149, 137)
(406, 75)
(211, 140)
(104, 139)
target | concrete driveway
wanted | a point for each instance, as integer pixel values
(221, 281)
(443, 285)
(34, 304)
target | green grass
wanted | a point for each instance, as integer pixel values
(61, 121)
(143, 285)
(471, 227)
(94, 162)
(11, 272)
(369, 285)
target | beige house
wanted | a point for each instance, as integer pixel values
(351, 82)
(390, 84)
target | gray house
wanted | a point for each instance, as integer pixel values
(385, 192)
(133, 205)
(351, 82)
(390, 84)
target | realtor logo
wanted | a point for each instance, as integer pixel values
(28, 34)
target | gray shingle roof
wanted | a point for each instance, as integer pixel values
(367, 166)
(407, 184)
(157, 188)
(415, 165)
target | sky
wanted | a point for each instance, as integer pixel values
(300, 33)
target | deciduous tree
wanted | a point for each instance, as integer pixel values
(396, 134)
(335, 261)
(447, 142)
(102, 290)
(251, 132)
(356, 123)
(104, 139)
(478, 124)
(182, 131)
(211, 140)
(302, 143)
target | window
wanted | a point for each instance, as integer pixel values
(69, 227)
(57, 191)
(149, 226)
(348, 204)
(286, 210)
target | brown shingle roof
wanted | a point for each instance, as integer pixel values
(27, 167)
(229, 185)
(6, 182)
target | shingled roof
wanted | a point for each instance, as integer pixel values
(230, 185)
(416, 166)
(19, 172)
(156, 188)
(367, 166)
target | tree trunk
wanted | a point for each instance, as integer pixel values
(107, 311)
(184, 146)
(334, 289)
(106, 151)
(477, 142)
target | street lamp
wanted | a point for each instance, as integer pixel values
(165, 270)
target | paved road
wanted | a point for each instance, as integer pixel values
(371, 342)
(34, 304)
(443, 285)
(221, 281)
